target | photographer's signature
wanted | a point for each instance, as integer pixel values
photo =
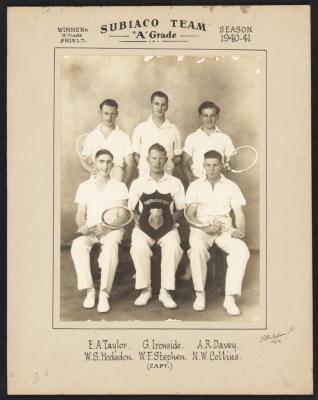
(276, 337)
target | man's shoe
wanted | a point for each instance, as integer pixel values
(230, 306)
(143, 298)
(103, 304)
(199, 303)
(89, 301)
(166, 299)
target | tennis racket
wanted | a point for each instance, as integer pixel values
(80, 142)
(243, 159)
(199, 215)
(112, 218)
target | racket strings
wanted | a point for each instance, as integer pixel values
(117, 217)
(243, 159)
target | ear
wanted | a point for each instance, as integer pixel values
(147, 158)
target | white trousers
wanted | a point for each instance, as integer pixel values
(238, 255)
(171, 254)
(107, 261)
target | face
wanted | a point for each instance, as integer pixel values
(213, 168)
(103, 165)
(208, 118)
(157, 160)
(108, 115)
(159, 106)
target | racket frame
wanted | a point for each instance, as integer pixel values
(122, 226)
(238, 171)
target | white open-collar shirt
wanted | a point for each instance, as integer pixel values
(96, 200)
(147, 133)
(199, 142)
(225, 196)
(167, 184)
(118, 143)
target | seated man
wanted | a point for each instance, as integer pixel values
(93, 196)
(218, 195)
(108, 136)
(155, 196)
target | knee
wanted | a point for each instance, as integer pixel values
(240, 248)
(197, 248)
(78, 244)
(139, 246)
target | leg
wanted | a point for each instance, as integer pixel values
(141, 255)
(171, 254)
(80, 252)
(108, 259)
(238, 255)
(199, 254)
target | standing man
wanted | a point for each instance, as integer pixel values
(158, 201)
(108, 136)
(218, 195)
(207, 137)
(157, 129)
(93, 197)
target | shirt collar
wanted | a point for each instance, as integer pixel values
(114, 130)
(164, 178)
(166, 123)
(217, 130)
(222, 179)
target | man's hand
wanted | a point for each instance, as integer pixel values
(237, 234)
(215, 228)
(100, 230)
(86, 230)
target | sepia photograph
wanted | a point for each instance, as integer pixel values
(160, 187)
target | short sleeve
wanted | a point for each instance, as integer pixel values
(191, 194)
(188, 146)
(81, 196)
(236, 198)
(134, 195)
(136, 140)
(229, 147)
(179, 195)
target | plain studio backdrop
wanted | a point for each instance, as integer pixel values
(233, 83)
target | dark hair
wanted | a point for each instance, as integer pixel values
(208, 104)
(103, 151)
(108, 102)
(213, 154)
(158, 93)
(158, 147)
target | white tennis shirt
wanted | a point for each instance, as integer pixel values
(147, 133)
(225, 196)
(199, 142)
(118, 143)
(96, 200)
